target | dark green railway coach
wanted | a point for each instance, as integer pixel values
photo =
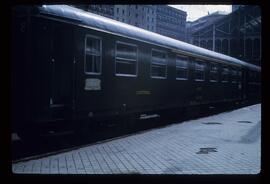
(70, 66)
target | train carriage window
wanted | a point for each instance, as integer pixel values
(250, 76)
(254, 77)
(92, 56)
(213, 75)
(234, 75)
(126, 59)
(239, 76)
(225, 74)
(258, 77)
(199, 70)
(181, 67)
(159, 64)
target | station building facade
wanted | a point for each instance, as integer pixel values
(162, 19)
(237, 34)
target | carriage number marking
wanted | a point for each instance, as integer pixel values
(92, 84)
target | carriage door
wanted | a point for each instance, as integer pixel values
(62, 66)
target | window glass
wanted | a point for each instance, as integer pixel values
(126, 59)
(213, 75)
(199, 70)
(225, 74)
(234, 75)
(92, 64)
(254, 77)
(181, 67)
(239, 76)
(159, 64)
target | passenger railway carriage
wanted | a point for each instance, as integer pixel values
(71, 68)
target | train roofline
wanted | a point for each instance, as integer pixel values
(81, 17)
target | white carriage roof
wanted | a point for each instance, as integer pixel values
(79, 16)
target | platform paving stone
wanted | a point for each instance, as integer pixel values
(226, 143)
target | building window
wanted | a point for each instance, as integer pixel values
(117, 10)
(158, 64)
(225, 74)
(92, 55)
(126, 59)
(123, 11)
(181, 67)
(199, 71)
(213, 75)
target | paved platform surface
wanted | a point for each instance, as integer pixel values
(227, 143)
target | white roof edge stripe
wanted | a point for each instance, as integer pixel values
(114, 26)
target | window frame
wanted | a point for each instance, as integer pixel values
(239, 76)
(235, 78)
(85, 42)
(166, 65)
(115, 58)
(203, 63)
(185, 68)
(211, 64)
(225, 66)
